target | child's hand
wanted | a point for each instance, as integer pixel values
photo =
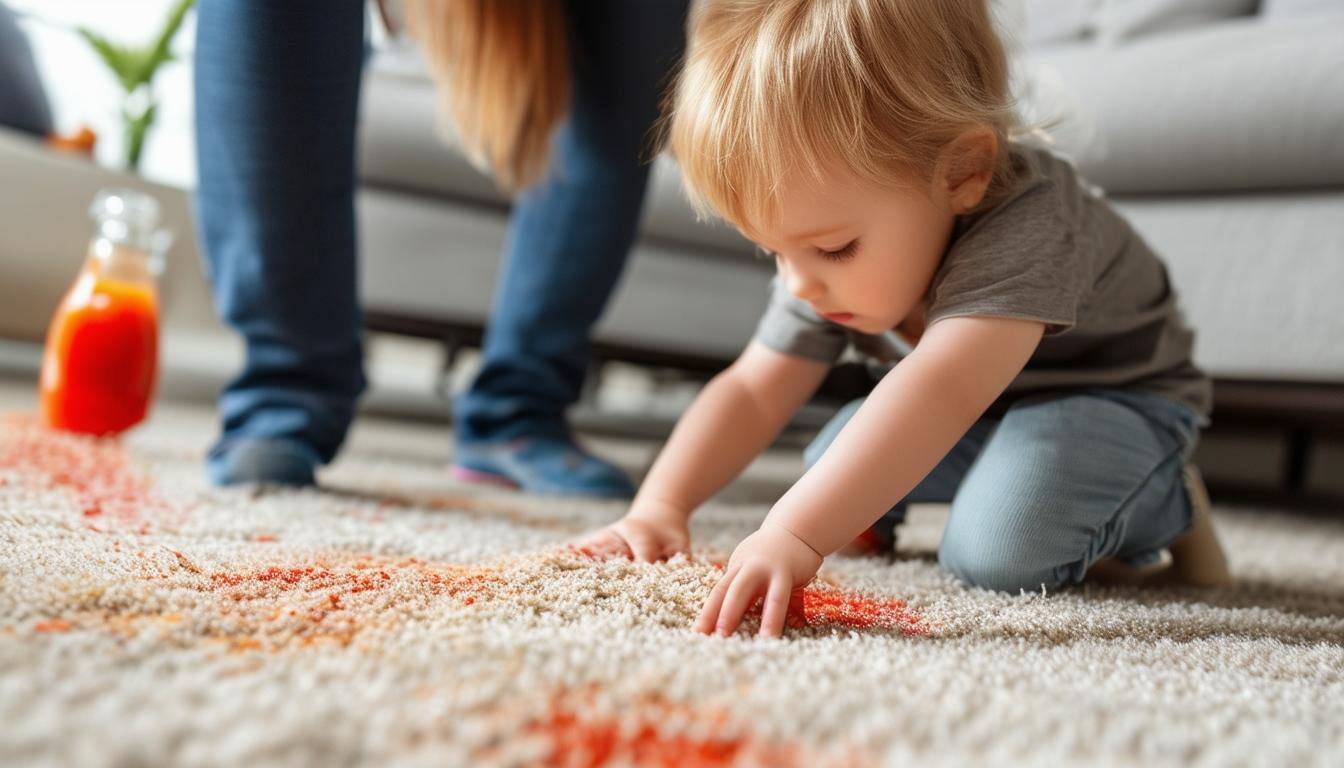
(646, 533)
(770, 562)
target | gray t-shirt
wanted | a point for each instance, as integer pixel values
(1054, 251)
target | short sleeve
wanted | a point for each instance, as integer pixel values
(791, 326)
(1023, 260)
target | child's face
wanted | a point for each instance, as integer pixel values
(862, 256)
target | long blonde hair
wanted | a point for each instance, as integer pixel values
(771, 87)
(503, 75)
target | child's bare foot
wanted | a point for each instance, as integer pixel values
(1195, 558)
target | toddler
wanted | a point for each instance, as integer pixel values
(1035, 370)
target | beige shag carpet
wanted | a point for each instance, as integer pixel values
(398, 618)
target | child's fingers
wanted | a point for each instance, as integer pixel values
(740, 595)
(645, 549)
(615, 544)
(601, 544)
(710, 613)
(776, 607)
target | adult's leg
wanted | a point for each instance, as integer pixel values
(568, 239)
(277, 89)
(1066, 481)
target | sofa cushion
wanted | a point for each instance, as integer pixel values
(1257, 274)
(1283, 8)
(1051, 22)
(404, 147)
(1242, 104)
(439, 262)
(1127, 19)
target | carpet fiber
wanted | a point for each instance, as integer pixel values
(396, 617)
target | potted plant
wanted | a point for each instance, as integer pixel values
(135, 67)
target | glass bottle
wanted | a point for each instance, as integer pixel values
(101, 358)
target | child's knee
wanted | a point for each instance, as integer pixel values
(1003, 561)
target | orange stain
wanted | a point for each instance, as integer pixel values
(94, 470)
(262, 602)
(52, 625)
(308, 578)
(580, 740)
(830, 607)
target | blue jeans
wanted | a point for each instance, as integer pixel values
(1056, 484)
(277, 91)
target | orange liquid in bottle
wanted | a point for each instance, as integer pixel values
(101, 354)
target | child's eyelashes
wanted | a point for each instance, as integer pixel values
(841, 254)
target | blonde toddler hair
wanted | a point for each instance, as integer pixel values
(772, 87)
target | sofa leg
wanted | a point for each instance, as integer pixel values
(1297, 461)
(592, 382)
(443, 382)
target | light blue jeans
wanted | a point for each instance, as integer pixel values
(1056, 484)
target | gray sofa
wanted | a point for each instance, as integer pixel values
(1221, 143)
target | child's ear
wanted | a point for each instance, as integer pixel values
(967, 166)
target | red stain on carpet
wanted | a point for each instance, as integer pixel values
(308, 578)
(52, 626)
(282, 604)
(579, 737)
(94, 470)
(362, 576)
(829, 607)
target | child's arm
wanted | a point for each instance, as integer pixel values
(910, 421)
(735, 417)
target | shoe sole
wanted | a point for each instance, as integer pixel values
(479, 477)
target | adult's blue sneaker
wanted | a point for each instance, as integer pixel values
(545, 465)
(259, 460)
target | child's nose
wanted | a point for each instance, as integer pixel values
(803, 286)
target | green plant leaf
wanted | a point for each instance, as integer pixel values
(134, 69)
(123, 61)
(136, 127)
(158, 53)
(135, 66)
